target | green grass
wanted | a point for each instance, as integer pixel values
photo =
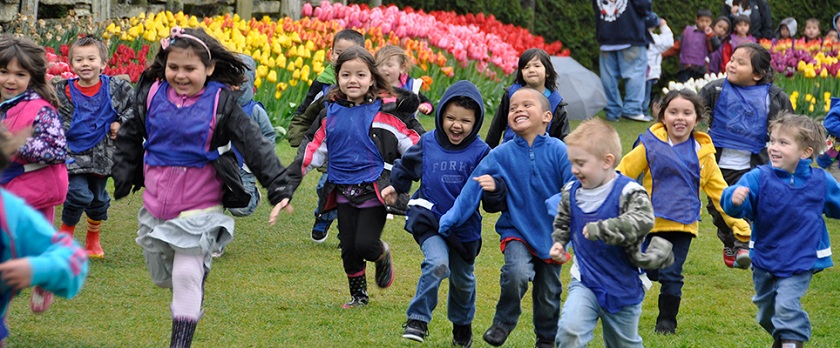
(276, 288)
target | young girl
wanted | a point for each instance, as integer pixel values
(394, 64)
(360, 134)
(37, 172)
(536, 71)
(741, 105)
(677, 162)
(31, 252)
(720, 27)
(740, 34)
(188, 118)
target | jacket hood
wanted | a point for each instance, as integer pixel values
(790, 23)
(834, 21)
(707, 148)
(247, 88)
(461, 88)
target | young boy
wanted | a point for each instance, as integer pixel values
(606, 216)
(308, 111)
(514, 177)
(812, 30)
(443, 161)
(694, 47)
(658, 44)
(93, 106)
(789, 242)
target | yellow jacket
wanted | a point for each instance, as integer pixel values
(635, 164)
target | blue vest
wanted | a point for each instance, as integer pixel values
(740, 117)
(675, 173)
(445, 172)
(353, 157)
(604, 269)
(554, 100)
(786, 236)
(249, 110)
(92, 116)
(408, 85)
(181, 136)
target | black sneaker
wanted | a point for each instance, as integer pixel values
(357, 301)
(544, 343)
(321, 230)
(415, 330)
(462, 335)
(385, 268)
(496, 335)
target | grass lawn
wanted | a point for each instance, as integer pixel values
(274, 287)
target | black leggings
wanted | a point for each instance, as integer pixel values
(359, 232)
(731, 176)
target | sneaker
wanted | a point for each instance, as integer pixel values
(356, 302)
(639, 117)
(217, 253)
(496, 335)
(728, 257)
(544, 343)
(415, 330)
(462, 335)
(321, 230)
(742, 259)
(385, 268)
(41, 300)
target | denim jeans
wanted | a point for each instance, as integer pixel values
(86, 193)
(520, 268)
(250, 184)
(581, 312)
(629, 64)
(648, 91)
(671, 277)
(440, 262)
(779, 307)
(327, 215)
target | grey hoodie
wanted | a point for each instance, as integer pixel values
(790, 23)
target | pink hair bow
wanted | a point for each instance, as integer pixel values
(179, 33)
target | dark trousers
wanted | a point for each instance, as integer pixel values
(359, 232)
(723, 231)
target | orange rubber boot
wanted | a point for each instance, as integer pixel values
(94, 249)
(67, 229)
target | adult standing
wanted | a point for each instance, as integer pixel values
(761, 20)
(620, 30)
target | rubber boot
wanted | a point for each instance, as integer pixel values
(666, 322)
(66, 229)
(776, 344)
(358, 290)
(183, 330)
(94, 249)
(791, 344)
(384, 268)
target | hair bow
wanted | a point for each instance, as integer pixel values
(178, 32)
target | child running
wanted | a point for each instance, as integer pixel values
(187, 117)
(394, 65)
(536, 71)
(360, 134)
(37, 172)
(742, 105)
(515, 179)
(93, 105)
(443, 161)
(677, 162)
(789, 243)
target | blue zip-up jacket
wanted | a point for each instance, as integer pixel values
(532, 174)
(621, 22)
(792, 240)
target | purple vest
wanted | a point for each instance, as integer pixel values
(693, 48)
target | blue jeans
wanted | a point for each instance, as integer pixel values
(86, 193)
(671, 277)
(439, 263)
(250, 184)
(520, 268)
(629, 64)
(581, 312)
(327, 215)
(779, 305)
(648, 90)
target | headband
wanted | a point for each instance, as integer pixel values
(178, 32)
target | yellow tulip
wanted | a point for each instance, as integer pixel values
(277, 95)
(150, 35)
(319, 56)
(271, 63)
(276, 48)
(192, 22)
(304, 73)
(293, 83)
(262, 71)
(301, 51)
(258, 82)
(291, 66)
(824, 72)
(811, 108)
(299, 62)
(272, 76)
(106, 35)
(280, 61)
(296, 74)
(257, 54)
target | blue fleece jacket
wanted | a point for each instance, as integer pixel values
(621, 22)
(532, 174)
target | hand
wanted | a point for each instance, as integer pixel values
(558, 253)
(283, 205)
(115, 127)
(425, 109)
(10, 143)
(389, 194)
(17, 273)
(740, 195)
(708, 30)
(585, 233)
(663, 23)
(734, 10)
(486, 182)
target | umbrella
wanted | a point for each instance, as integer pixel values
(580, 87)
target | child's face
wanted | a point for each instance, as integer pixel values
(785, 152)
(458, 123)
(703, 22)
(391, 69)
(185, 72)
(590, 170)
(87, 63)
(354, 80)
(526, 116)
(832, 36)
(784, 32)
(739, 70)
(721, 28)
(534, 73)
(338, 47)
(742, 28)
(812, 30)
(14, 80)
(679, 119)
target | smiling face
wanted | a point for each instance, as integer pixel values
(527, 115)
(354, 80)
(739, 70)
(679, 119)
(391, 69)
(185, 72)
(534, 74)
(87, 63)
(339, 46)
(590, 170)
(14, 80)
(458, 123)
(784, 150)
(721, 28)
